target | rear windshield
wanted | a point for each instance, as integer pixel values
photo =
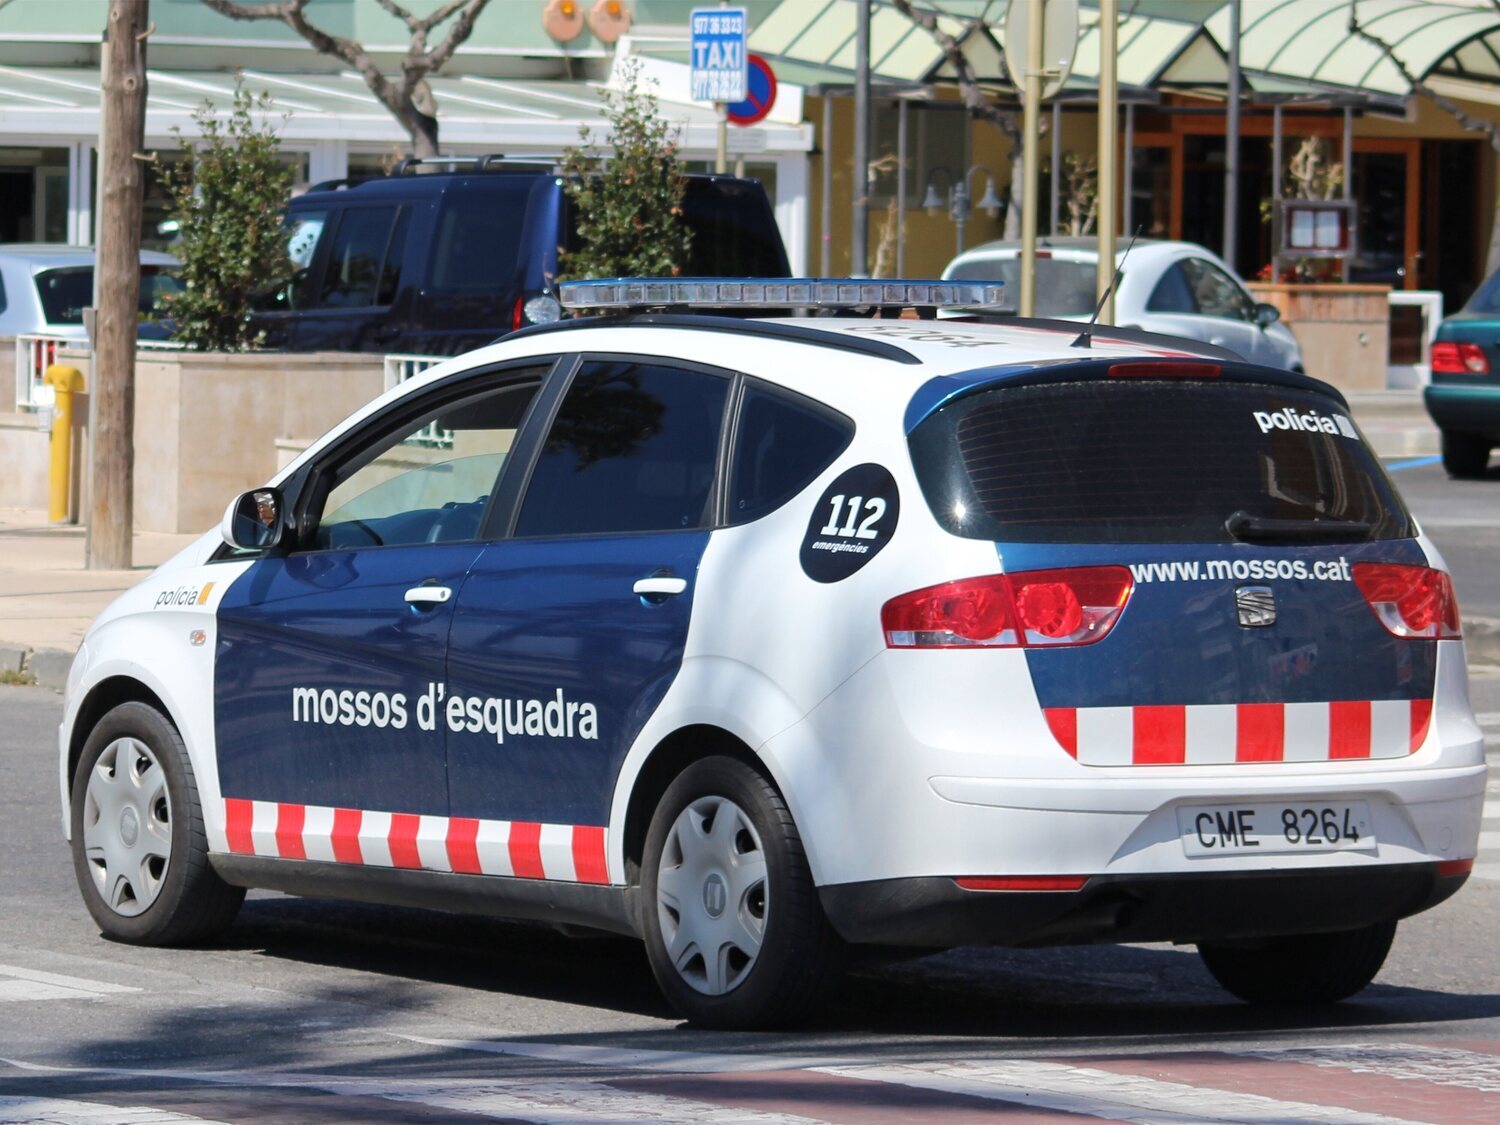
(1063, 288)
(66, 292)
(734, 233)
(1148, 461)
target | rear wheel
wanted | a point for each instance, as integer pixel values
(1304, 969)
(139, 848)
(1465, 455)
(734, 931)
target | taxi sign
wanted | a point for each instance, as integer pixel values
(718, 54)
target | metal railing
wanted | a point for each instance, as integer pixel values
(35, 353)
(400, 368)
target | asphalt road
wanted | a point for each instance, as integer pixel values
(330, 1012)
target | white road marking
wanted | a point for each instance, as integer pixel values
(1488, 871)
(31, 984)
(1489, 840)
(631, 1058)
(65, 1111)
(547, 1103)
(1442, 1066)
(1102, 1093)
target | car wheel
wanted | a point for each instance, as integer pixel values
(1304, 969)
(139, 848)
(1465, 455)
(733, 928)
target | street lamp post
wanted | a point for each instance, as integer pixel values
(960, 202)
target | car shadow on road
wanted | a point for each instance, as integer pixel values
(1067, 997)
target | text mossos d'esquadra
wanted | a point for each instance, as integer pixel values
(557, 717)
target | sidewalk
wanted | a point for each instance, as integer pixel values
(47, 598)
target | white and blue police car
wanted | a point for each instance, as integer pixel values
(761, 638)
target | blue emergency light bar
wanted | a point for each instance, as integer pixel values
(639, 293)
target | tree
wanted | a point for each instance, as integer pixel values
(410, 98)
(979, 105)
(628, 204)
(227, 195)
(1490, 129)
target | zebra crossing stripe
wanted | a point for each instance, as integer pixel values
(1100, 1093)
(1443, 1066)
(67, 1111)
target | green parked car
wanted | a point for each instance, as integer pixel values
(1464, 396)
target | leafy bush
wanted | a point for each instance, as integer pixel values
(628, 204)
(227, 197)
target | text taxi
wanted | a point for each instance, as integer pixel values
(761, 638)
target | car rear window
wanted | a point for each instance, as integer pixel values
(479, 238)
(734, 233)
(67, 291)
(1148, 461)
(1063, 287)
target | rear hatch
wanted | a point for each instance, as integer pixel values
(1245, 510)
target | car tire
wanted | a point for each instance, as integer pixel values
(140, 851)
(1465, 455)
(734, 931)
(1303, 969)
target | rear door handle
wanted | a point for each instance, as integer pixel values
(428, 595)
(659, 586)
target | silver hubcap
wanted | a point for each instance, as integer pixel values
(711, 895)
(127, 826)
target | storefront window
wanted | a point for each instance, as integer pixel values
(33, 195)
(937, 149)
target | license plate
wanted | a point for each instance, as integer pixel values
(1254, 828)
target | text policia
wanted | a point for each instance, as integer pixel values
(557, 717)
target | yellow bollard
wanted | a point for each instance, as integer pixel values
(65, 382)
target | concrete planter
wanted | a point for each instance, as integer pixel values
(207, 427)
(1344, 330)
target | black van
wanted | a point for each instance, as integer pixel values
(445, 261)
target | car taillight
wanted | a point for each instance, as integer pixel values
(1071, 606)
(1449, 358)
(1410, 601)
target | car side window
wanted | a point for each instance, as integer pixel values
(633, 449)
(1216, 292)
(781, 443)
(1173, 293)
(362, 249)
(430, 479)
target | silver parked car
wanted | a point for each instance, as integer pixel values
(44, 288)
(1174, 288)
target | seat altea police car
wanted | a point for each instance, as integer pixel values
(759, 638)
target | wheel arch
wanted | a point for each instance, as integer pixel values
(101, 699)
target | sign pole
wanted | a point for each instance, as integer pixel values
(1031, 126)
(1109, 141)
(721, 157)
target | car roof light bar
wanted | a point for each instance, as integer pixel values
(642, 293)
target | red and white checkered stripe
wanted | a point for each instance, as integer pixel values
(567, 852)
(1223, 734)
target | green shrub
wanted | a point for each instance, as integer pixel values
(227, 196)
(628, 204)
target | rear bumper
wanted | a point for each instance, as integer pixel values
(1464, 407)
(937, 913)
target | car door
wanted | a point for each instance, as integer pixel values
(1198, 300)
(326, 652)
(359, 281)
(569, 630)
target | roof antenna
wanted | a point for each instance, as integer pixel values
(1086, 337)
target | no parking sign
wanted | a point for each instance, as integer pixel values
(760, 93)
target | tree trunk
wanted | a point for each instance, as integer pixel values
(122, 183)
(423, 129)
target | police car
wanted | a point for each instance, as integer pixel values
(762, 638)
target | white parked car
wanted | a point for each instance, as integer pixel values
(1174, 288)
(44, 288)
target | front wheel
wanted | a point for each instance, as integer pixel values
(734, 931)
(139, 848)
(1304, 969)
(1465, 455)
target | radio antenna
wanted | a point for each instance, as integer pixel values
(1086, 337)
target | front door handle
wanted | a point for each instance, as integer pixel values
(428, 595)
(659, 586)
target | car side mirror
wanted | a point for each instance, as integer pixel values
(254, 520)
(1266, 315)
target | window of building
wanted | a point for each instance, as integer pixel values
(937, 149)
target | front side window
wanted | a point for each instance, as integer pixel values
(429, 480)
(1216, 293)
(633, 449)
(1173, 293)
(782, 442)
(303, 230)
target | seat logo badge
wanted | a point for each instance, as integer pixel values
(715, 895)
(1256, 606)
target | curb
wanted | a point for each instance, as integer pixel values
(44, 667)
